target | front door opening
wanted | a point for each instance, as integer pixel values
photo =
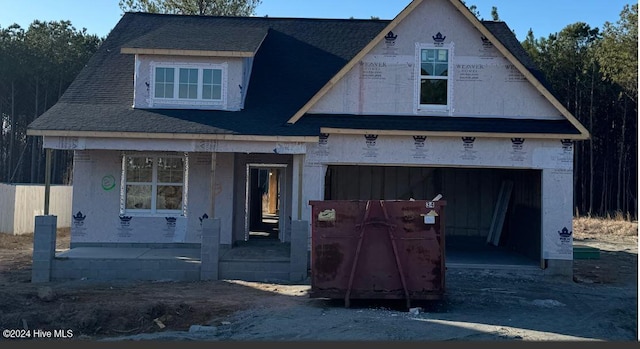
(264, 204)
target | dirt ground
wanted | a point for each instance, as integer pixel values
(601, 304)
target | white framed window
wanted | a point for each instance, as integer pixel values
(164, 82)
(154, 184)
(188, 84)
(212, 84)
(434, 77)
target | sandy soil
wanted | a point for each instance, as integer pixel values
(479, 305)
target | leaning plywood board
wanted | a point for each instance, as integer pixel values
(499, 213)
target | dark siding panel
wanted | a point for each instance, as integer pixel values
(351, 188)
(390, 184)
(524, 217)
(487, 199)
(364, 177)
(377, 183)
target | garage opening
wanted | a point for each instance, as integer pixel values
(493, 216)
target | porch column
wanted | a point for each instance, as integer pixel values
(47, 181)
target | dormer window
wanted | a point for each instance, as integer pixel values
(164, 82)
(188, 84)
(212, 84)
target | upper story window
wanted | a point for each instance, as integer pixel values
(188, 84)
(211, 84)
(164, 82)
(154, 184)
(433, 88)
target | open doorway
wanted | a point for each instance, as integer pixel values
(264, 203)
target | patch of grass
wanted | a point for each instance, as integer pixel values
(25, 241)
(591, 227)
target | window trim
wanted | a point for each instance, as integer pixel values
(153, 211)
(199, 101)
(422, 108)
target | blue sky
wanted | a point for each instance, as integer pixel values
(543, 16)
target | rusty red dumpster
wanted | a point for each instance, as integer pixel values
(377, 249)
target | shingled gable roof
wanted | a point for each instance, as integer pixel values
(293, 60)
(215, 40)
(506, 42)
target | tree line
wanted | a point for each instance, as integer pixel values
(593, 72)
(37, 64)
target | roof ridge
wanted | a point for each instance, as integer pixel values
(266, 18)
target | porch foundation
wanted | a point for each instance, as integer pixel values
(298, 256)
(560, 268)
(210, 249)
(44, 248)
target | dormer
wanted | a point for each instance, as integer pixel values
(193, 67)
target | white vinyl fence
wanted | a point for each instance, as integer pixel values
(20, 203)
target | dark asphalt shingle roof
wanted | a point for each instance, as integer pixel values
(295, 58)
(175, 36)
(509, 40)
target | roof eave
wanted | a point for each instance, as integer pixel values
(193, 53)
(176, 136)
(351, 131)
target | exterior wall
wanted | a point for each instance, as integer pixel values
(483, 82)
(98, 157)
(223, 191)
(552, 157)
(199, 196)
(247, 65)
(20, 204)
(235, 77)
(557, 213)
(100, 207)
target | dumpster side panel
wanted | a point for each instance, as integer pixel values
(420, 246)
(333, 242)
(377, 249)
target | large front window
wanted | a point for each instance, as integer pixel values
(154, 184)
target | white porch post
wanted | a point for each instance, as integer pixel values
(47, 181)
